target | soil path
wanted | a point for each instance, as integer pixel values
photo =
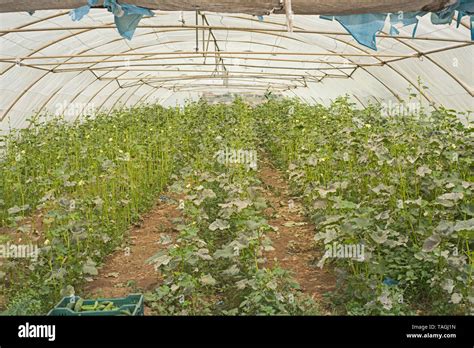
(126, 271)
(294, 241)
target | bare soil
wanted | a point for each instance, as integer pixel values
(126, 270)
(294, 245)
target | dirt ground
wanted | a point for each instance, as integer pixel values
(294, 240)
(126, 271)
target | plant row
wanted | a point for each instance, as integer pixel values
(398, 187)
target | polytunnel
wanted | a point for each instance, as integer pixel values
(236, 158)
(48, 59)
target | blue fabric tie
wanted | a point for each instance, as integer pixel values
(126, 17)
(364, 27)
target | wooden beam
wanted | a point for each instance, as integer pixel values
(255, 7)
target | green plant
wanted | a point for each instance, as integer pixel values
(400, 185)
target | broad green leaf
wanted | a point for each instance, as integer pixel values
(431, 243)
(208, 280)
(89, 267)
(465, 225)
(423, 170)
(219, 224)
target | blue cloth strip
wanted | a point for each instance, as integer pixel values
(126, 17)
(364, 27)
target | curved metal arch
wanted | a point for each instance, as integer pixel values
(394, 69)
(157, 90)
(39, 79)
(46, 46)
(115, 79)
(48, 100)
(146, 95)
(446, 71)
(37, 21)
(362, 50)
(105, 99)
(149, 94)
(366, 70)
(357, 47)
(461, 83)
(60, 88)
(82, 90)
(73, 77)
(153, 90)
(298, 96)
(69, 36)
(117, 88)
(113, 105)
(40, 49)
(95, 95)
(283, 36)
(66, 38)
(354, 46)
(132, 94)
(152, 32)
(360, 101)
(97, 80)
(90, 99)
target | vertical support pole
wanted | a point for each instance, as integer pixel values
(203, 35)
(197, 32)
(289, 15)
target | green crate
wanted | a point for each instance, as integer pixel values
(133, 302)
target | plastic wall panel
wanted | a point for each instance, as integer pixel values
(24, 90)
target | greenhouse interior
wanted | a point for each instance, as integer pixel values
(236, 158)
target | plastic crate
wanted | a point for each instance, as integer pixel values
(133, 303)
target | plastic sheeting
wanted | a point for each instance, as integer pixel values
(83, 69)
(364, 27)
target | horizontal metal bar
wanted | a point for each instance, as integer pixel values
(224, 28)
